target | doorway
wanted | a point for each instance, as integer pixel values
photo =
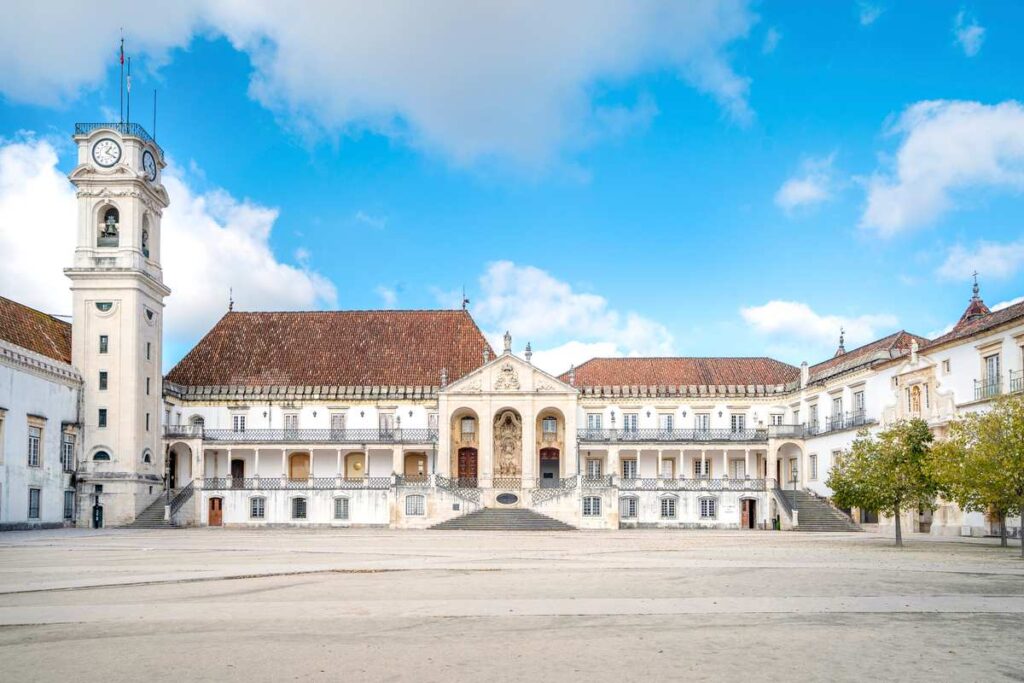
(415, 466)
(216, 512)
(97, 516)
(549, 469)
(172, 470)
(237, 473)
(748, 518)
(467, 466)
(298, 466)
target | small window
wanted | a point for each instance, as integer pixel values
(98, 488)
(592, 506)
(147, 385)
(629, 469)
(341, 508)
(33, 503)
(104, 343)
(775, 419)
(337, 422)
(67, 452)
(149, 350)
(668, 508)
(147, 457)
(35, 436)
(69, 505)
(298, 508)
(701, 470)
(468, 427)
(257, 507)
(708, 508)
(291, 421)
(627, 508)
(593, 468)
(104, 306)
(103, 380)
(101, 420)
(101, 455)
(812, 466)
(549, 425)
(945, 367)
(629, 422)
(737, 423)
(238, 423)
(595, 421)
(666, 422)
(414, 505)
(147, 422)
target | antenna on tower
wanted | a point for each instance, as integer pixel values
(128, 90)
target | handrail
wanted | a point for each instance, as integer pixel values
(420, 435)
(783, 502)
(132, 129)
(285, 483)
(181, 497)
(469, 493)
(542, 495)
(672, 435)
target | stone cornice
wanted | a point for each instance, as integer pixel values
(297, 393)
(24, 360)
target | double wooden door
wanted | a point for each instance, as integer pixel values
(216, 512)
(467, 463)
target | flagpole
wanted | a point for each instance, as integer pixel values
(128, 118)
(121, 81)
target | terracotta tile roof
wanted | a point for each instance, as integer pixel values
(970, 326)
(334, 348)
(682, 371)
(35, 330)
(886, 348)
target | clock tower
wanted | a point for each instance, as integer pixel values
(117, 341)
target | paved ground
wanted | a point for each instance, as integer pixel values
(217, 604)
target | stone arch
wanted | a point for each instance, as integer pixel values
(508, 443)
(549, 431)
(108, 225)
(298, 465)
(459, 439)
(179, 464)
(785, 455)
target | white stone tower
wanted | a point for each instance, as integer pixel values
(117, 339)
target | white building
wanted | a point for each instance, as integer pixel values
(409, 419)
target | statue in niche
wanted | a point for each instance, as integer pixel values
(508, 438)
(507, 379)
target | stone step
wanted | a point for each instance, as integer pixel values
(493, 519)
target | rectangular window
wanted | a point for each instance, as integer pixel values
(432, 421)
(147, 386)
(147, 422)
(858, 402)
(238, 423)
(69, 505)
(629, 422)
(737, 469)
(812, 416)
(103, 380)
(668, 469)
(668, 508)
(708, 508)
(591, 506)
(629, 469)
(796, 416)
(837, 407)
(737, 423)
(992, 369)
(298, 508)
(149, 350)
(702, 422)
(341, 508)
(593, 468)
(776, 419)
(468, 428)
(386, 422)
(666, 422)
(291, 421)
(414, 505)
(337, 422)
(104, 343)
(35, 438)
(595, 421)
(257, 507)
(33, 503)
(945, 367)
(67, 452)
(101, 419)
(698, 472)
(627, 508)
(549, 426)
(812, 466)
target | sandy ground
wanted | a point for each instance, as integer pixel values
(222, 604)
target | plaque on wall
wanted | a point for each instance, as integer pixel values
(508, 498)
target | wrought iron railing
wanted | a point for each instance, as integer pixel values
(780, 497)
(283, 483)
(133, 129)
(180, 498)
(1016, 381)
(462, 487)
(597, 482)
(987, 388)
(507, 483)
(183, 431)
(413, 480)
(698, 484)
(672, 435)
(565, 486)
(321, 435)
(787, 431)
(851, 420)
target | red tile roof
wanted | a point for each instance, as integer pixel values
(683, 372)
(34, 330)
(334, 348)
(886, 348)
(970, 326)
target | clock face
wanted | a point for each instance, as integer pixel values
(149, 165)
(106, 152)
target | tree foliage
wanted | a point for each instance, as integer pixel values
(981, 465)
(888, 471)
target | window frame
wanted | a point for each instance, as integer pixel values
(591, 506)
(347, 506)
(629, 507)
(672, 503)
(415, 505)
(296, 502)
(591, 462)
(634, 467)
(707, 507)
(35, 445)
(38, 502)
(238, 421)
(630, 422)
(102, 418)
(69, 510)
(104, 344)
(595, 421)
(261, 502)
(67, 451)
(812, 465)
(104, 380)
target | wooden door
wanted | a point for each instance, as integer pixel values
(216, 512)
(745, 521)
(298, 466)
(416, 465)
(467, 463)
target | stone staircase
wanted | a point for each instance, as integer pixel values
(510, 519)
(816, 514)
(152, 517)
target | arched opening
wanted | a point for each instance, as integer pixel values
(355, 465)
(464, 433)
(415, 466)
(237, 473)
(298, 466)
(179, 465)
(109, 228)
(550, 429)
(101, 455)
(549, 468)
(147, 456)
(789, 466)
(145, 236)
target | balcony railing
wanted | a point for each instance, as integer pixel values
(672, 435)
(304, 435)
(852, 420)
(282, 483)
(1016, 381)
(132, 129)
(987, 388)
(700, 484)
(787, 431)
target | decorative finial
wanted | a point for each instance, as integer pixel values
(572, 375)
(842, 338)
(444, 377)
(487, 354)
(975, 289)
(231, 299)
(465, 299)
(529, 352)
(508, 342)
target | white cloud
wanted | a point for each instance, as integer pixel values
(995, 260)
(469, 81)
(388, 295)
(211, 243)
(946, 146)
(1006, 304)
(968, 34)
(812, 185)
(563, 325)
(869, 13)
(803, 333)
(771, 40)
(370, 221)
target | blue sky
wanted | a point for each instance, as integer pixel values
(739, 179)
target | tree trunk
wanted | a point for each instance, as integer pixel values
(1002, 529)
(899, 530)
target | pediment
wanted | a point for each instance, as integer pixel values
(509, 374)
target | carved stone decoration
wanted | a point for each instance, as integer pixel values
(508, 443)
(545, 386)
(507, 380)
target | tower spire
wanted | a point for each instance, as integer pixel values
(975, 289)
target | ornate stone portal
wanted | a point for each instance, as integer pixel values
(508, 443)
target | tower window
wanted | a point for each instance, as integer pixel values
(147, 386)
(149, 350)
(104, 343)
(103, 380)
(108, 236)
(145, 242)
(104, 306)
(100, 455)
(103, 417)
(147, 422)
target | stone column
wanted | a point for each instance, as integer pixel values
(398, 459)
(284, 465)
(703, 462)
(746, 462)
(658, 475)
(256, 462)
(613, 462)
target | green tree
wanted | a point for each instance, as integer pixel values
(981, 465)
(886, 472)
